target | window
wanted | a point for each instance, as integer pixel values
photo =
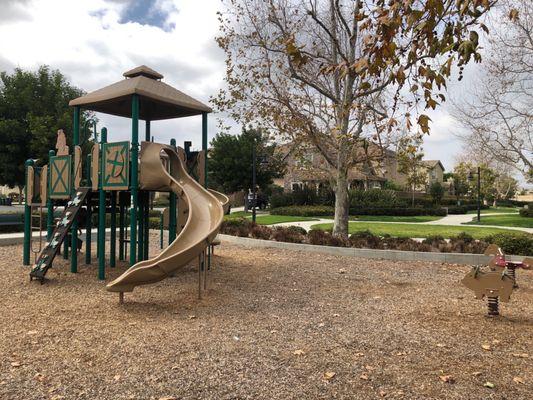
(296, 186)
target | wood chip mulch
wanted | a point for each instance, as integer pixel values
(275, 325)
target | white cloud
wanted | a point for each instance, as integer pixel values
(86, 41)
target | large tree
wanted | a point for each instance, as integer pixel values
(410, 164)
(337, 74)
(33, 106)
(497, 116)
(230, 160)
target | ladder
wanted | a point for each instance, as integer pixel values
(36, 214)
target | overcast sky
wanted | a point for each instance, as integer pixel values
(94, 41)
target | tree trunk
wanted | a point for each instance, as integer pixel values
(413, 197)
(20, 195)
(340, 223)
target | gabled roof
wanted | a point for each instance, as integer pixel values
(157, 100)
(432, 163)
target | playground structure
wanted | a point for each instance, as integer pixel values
(498, 282)
(119, 180)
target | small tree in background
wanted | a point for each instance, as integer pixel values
(33, 106)
(410, 157)
(436, 191)
(230, 160)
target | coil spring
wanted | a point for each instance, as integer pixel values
(493, 306)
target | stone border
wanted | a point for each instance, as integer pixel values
(395, 255)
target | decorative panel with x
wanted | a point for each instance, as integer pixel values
(116, 165)
(60, 177)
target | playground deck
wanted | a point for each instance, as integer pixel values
(274, 323)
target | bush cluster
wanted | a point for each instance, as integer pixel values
(511, 243)
(527, 212)
(304, 211)
(379, 198)
(463, 209)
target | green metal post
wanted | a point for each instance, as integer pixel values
(134, 176)
(113, 246)
(204, 145)
(140, 244)
(161, 231)
(172, 207)
(88, 222)
(74, 229)
(27, 220)
(147, 205)
(121, 223)
(101, 212)
(49, 203)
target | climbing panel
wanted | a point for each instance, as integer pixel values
(49, 251)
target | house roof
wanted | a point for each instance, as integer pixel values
(432, 163)
(157, 100)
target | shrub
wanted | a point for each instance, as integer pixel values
(304, 211)
(281, 200)
(237, 227)
(324, 238)
(436, 191)
(404, 211)
(283, 234)
(375, 198)
(366, 239)
(434, 240)
(513, 243)
(463, 209)
(261, 232)
(527, 212)
(297, 229)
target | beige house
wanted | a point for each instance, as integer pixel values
(309, 168)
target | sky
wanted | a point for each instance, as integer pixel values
(94, 41)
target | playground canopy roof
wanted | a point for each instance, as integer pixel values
(157, 100)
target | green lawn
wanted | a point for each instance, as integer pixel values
(496, 210)
(388, 218)
(505, 220)
(267, 219)
(416, 230)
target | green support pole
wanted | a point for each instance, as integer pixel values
(204, 145)
(121, 223)
(113, 245)
(147, 204)
(49, 203)
(140, 244)
(74, 229)
(161, 231)
(88, 222)
(101, 212)
(172, 207)
(134, 176)
(27, 220)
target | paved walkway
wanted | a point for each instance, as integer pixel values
(449, 220)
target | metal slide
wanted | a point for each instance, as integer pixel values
(205, 214)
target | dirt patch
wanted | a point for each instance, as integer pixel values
(276, 324)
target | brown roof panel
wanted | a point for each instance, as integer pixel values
(157, 100)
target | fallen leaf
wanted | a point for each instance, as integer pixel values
(32, 333)
(273, 331)
(364, 376)
(521, 355)
(447, 378)
(486, 347)
(441, 345)
(192, 316)
(16, 364)
(342, 271)
(336, 315)
(382, 393)
(517, 379)
(236, 338)
(117, 377)
(369, 368)
(401, 353)
(489, 385)
(495, 341)
(168, 398)
(477, 373)
(40, 377)
(359, 354)
(298, 352)
(321, 325)
(329, 375)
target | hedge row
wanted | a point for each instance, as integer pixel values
(463, 209)
(328, 211)
(510, 243)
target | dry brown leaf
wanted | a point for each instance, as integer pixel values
(447, 378)
(168, 398)
(359, 354)
(382, 393)
(477, 373)
(489, 385)
(517, 379)
(298, 352)
(192, 316)
(401, 353)
(364, 376)
(117, 377)
(521, 355)
(441, 345)
(329, 375)
(16, 364)
(486, 347)
(32, 333)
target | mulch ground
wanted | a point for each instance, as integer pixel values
(274, 325)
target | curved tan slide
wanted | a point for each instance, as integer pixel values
(205, 214)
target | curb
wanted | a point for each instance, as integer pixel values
(393, 255)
